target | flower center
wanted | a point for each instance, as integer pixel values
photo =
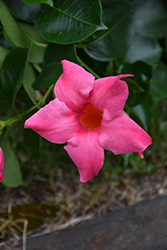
(91, 117)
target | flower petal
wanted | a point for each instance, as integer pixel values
(122, 135)
(55, 122)
(1, 164)
(73, 86)
(140, 154)
(109, 94)
(86, 153)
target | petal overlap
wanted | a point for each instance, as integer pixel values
(73, 86)
(109, 94)
(55, 122)
(86, 153)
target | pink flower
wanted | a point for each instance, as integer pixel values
(1, 164)
(88, 115)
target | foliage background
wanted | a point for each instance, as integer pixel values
(106, 38)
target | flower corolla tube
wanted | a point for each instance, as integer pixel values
(1, 164)
(88, 115)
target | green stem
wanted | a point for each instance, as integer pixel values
(81, 46)
(42, 101)
(15, 119)
(37, 67)
(19, 117)
(3, 124)
(87, 67)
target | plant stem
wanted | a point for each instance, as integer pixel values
(37, 67)
(42, 101)
(15, 119)
(19, 117)
(87, 67)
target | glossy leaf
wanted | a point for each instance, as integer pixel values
(98, 67)
(12, 172)
(38, 44)
(115, 41)
(50, 2)
(15, 34)
(138, 116)
(150, 17)
(142, 76)
(23, 97)
(70, 21)
(32, 140)
(3, 42)
(143, 113)
(22, 10)
(32, 34)
(36, 54)
(13, 70)
(28, 79)
(143, 48)
(134, 89)
(3, 53)
(159, 82)
(52, 67)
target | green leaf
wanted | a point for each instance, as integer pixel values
(143, 113)
(138, 116)
(3, 41)
(22, 10)
(3, 53)
(50, 2)
(49, 75)
(159, 82)
(38, 44)
(115, 41)
(23, 97)
(52, 67)
(142, 76)
(12, 172)
(32, 34)
(150, 17)
(28, 79)
(11, 28)
(143, 48)
(32, 140)
(36, 54)
(13, 70)
(97, 66)
(69, 21)
(134, 89)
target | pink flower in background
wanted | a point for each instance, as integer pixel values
(88, 115)
(1, 164)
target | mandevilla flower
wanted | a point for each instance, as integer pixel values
(1, 164)
(88, 115)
